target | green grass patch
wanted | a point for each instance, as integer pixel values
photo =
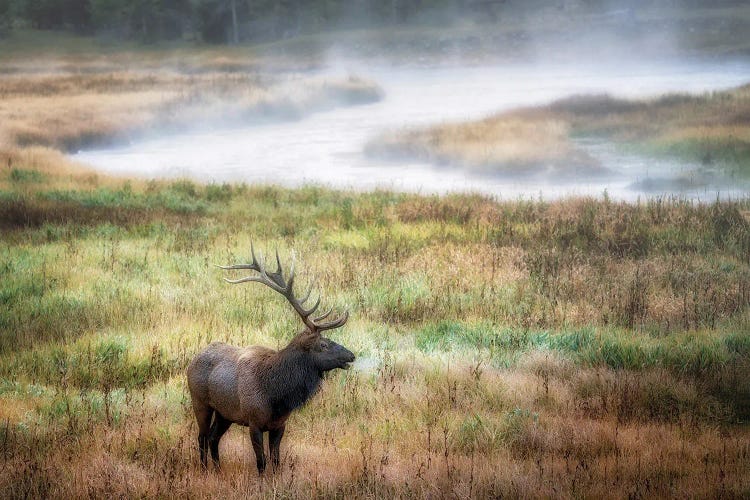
(22, 176)
(732, 153)
(406, 298)
(449, 335)
(179, 197)
(690, 353)
(104, 363)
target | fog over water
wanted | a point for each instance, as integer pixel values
(327, 148)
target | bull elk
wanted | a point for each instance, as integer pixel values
(256, 386)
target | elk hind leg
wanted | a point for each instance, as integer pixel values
(203, 415)
(218, 428)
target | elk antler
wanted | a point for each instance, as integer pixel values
(275, 280)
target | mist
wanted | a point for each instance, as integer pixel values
(430, 65)
(328, 148)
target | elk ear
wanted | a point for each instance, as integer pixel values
(308, 338)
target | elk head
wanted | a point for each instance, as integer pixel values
(325, 354)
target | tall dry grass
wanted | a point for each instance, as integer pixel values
(491, 146)
(522, 349)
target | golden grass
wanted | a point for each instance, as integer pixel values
(459, 436)
(67, 111)
(707, 129)
(491, 146)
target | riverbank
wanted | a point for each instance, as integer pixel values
(70, 110)
(710, 129)
(49, 109)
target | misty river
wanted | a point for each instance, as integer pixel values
(326, 148)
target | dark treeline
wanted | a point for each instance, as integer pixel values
(224, 21)
(233, 21)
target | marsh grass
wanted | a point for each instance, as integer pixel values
(491, 146)
(708, 129)
(515, 348)
(69, 109)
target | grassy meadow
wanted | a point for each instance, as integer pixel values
(575, 348)
(579, 348)
(710, 129)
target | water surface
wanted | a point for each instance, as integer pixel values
(326, 148)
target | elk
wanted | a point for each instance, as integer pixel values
(256, 386)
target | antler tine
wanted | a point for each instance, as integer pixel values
(257, 279)
(308, 312)
(278, 275)
(256, 265)
(275, 280)
(273, 277)
(237, 266)
(323, 316)
(278, 262)
(336, 323)
(252, 266)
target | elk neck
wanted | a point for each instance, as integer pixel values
(290, 380)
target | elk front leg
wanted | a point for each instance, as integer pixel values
(274, 441)
(256, 437)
